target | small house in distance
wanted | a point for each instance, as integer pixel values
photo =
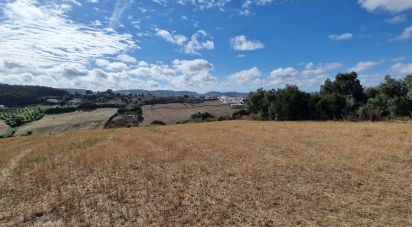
(75, 101)
(211, 98)
(234, 102)
(2, 107)
(52, 101)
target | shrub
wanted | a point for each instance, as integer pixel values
(156, 122)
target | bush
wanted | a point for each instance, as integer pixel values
(239, 114)
(87, 105)
(201, 116)
(157, 123)
(59, 110)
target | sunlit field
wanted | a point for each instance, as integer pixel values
(174, 112)
(220, 173)
(80, 120)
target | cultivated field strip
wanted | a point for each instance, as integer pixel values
(220, 173)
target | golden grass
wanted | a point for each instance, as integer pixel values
(173, 112)
(219, 173)
(79, 120)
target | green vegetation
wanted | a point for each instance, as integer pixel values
(7, 131)
(16, 95)
(198, 118)
(18, 116)
(341, 99)
(158, 123)
(128, 116)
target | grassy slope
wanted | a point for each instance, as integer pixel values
(56, 123)
(213, 173)
(5, 130)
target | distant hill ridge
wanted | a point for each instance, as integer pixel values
(179, 93)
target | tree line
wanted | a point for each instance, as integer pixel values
(19, 95)
(342, 98)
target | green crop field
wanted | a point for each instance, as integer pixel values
(19, 116)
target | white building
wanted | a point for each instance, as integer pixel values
(53, 101)
(231, 100)
(75, 101)
(2, 107)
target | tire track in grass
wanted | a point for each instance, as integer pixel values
(14, 163)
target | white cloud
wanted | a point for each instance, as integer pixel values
(160, 2)
(341, 37)
(26, 27)
(388, 5)
(204, 4)
(364, 66)
(181, 74)
(126, 58)
(402, 69)
(199, 41)
(241, 43)
(284, 72)
(398, 19)
(407, 34)
(171, 38)
(245, 76)
(40, 45)
(120, 7)
(247, 4)
(312, 75)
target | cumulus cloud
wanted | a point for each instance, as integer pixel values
(126, 58)
(284, 72)
(241, 43)
(364, 66)
(245, 76)
(341, 37)
(199, 41)
(180, 74)
(387, 5)
(171, 38)
(311, 75)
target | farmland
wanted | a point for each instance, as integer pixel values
(17, 116)
(79, 120)
(173, 112)
(218, 173)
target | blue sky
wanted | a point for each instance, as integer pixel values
(202, 45)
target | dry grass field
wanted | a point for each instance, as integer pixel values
(219, 173)
(79, 120)
(173, 112)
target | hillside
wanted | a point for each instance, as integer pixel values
(15, 95)
(220, 173)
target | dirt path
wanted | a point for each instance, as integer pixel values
(8, 169)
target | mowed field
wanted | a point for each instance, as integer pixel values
(79, 120)
(218, 173)
(173, 112)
